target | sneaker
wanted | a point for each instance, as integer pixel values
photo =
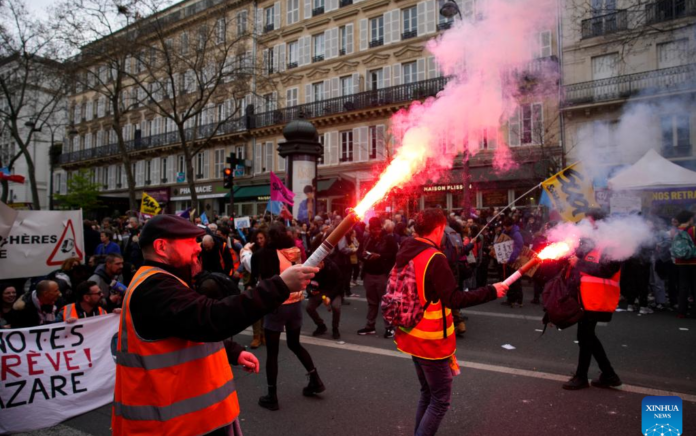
(607, 381)
(389, 333)
(366, 331)
(645, 311)
(336, 334)
(321, 329)
(576, 383)
(630, 308)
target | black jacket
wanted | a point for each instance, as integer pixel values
(439, 280)
(386, 247)
(162, 307)
(329, 279)
(25, 313)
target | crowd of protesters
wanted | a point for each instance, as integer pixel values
(651, 280)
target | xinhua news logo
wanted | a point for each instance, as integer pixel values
(662, 416)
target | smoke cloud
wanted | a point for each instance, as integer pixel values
(484, 58)
(618, 237)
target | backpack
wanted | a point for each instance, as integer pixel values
(562, 307)
(682, 246)
(401, 306)
(452, 245)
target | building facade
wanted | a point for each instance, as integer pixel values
(346, 66)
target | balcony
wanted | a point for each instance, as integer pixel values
(376, 42)
(344, 3)
(342, 52)
(444, 25)
(401, 94)
(317, 11)
(291, 65)
(317, 58)
(666, 80)
(409, 34)
(605, 24)
(268, 28)
(680, 150)
(152, 142)
(667, 10)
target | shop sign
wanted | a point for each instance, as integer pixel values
(674, 194)
(444, 188)
(199, 190)
(180, 177)
(263, 198)
(161, 194)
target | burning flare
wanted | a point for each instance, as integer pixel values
(408, 160)
(555, 251)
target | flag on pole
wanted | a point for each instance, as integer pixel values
(185, 213)
(571, 192)
(149, 206)
(279, 192)
(204, 219)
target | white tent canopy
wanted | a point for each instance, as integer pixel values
(653, 171)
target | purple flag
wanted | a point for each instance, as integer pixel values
(279, 192)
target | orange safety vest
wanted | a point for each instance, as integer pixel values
(427, 339)
(172, 386)
(597, 294)
(70, 311)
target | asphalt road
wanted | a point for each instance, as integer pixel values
(372, 389)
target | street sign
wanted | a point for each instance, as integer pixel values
(239, 171)
(180, 177)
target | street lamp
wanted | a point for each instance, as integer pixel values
(450, 9)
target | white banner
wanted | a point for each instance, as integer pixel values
(243, 222)
(55, 372)
(503, 250)
(39, 241)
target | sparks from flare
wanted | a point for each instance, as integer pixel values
(409, 159)
(555, 251)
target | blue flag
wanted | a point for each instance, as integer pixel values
(204, 219)
(274, 207)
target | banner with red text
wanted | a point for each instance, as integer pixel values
(54, 372)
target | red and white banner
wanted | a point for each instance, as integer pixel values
(39, 241)
(54, 372)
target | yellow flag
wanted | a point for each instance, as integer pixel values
(571, 192)
(149, 205)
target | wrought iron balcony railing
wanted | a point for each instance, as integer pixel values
(444, 25)
(376, 42)
(342, 52)
(268, 28)
(291, 65)
(654, 82)
(344, 3)
(318, 58)
(317, 11)
(680, 150)
(605, 25)
(666, 10)
(363, 100)
(409, 34)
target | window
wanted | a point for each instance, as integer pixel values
(200, 165)
(183, 44)
(347, 146)
(318, 7)
(268, 19)
(676, 133)
(291, 97)
(105, 177)
(292, 54)
(318, 47)
(443, 22)
(163, 165)
(526, 125)
(603, 7)
(488, 139)
(268, 62)
(410, 72)
(148, 172)
(241, 23)
(293, 9)
(343, 40)
(377, 31)
(219, 164)
(542, 43)
(375, 79)
(220, 31)
(672, 54)
(410, 23)
(240, 151)
(181, 168)
(372, 144)
(318, 91)
(268, 102)
(346, 85)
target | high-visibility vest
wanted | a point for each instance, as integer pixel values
(70, 311)
(235, 261)
(172, 386)
(597, 294)
(433, 337)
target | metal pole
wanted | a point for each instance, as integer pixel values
(504, 209)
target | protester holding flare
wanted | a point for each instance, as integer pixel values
(432, 342)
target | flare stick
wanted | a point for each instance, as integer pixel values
(520, 272)
(333, 239)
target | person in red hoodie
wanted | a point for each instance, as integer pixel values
(432, 342)
(686, 267)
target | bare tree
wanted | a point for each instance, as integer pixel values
(199, 80)
(31, 83)
(99, 30)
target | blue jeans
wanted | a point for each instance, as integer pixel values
(435, 377)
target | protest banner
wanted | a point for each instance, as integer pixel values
(243, 222)
(39, 241)
(571, 192)
(149, 205)
(502, 249)
(54, 372)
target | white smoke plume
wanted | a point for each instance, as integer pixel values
(618, 237)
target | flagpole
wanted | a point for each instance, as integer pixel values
(504, 209)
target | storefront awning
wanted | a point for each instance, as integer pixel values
(251, 193)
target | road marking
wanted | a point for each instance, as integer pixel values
(481, 366)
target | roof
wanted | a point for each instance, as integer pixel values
(653, 171)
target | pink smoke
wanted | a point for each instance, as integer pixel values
(479, 55)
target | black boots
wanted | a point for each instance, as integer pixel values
(270, 401)
(315, 385)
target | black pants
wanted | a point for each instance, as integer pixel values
(272, 349)
(589, 347)
(356, 271)
(687, 285)
(635, 281)
(515, 294)
(314, 301)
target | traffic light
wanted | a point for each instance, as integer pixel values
(228, 178)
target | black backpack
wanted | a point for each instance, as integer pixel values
(560, 304)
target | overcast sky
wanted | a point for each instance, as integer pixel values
(39, 6)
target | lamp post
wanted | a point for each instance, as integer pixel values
(449, 10)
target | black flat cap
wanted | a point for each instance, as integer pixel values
(168, 227)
